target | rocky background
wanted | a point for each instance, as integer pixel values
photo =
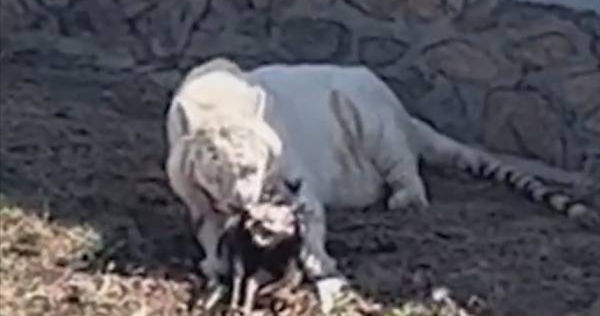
(514, 77)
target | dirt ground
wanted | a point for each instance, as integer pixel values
(87, 146)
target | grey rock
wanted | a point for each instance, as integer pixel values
(321, 4)
(592, 123)
(460, 59)
(590, 22)
(131, 9)
(167, 79)
(107, 57)
(595, 48)
(429, 10)
(261, 4)
(445, 108)
(144, 100)
(380, 51)
(115, 59)
(423, 10)
(56, 3)
(106, 17)
(75, 46)
(477, 15)
(76, 20)
(28, 14)
(254, 25)
(28, 40)
(252, 61)
(278, 8)
(594, 309)
(410, 85)
(138, 48)
(582, 88)
(542, 50)
(313, 39)
(518, 16)
(573, 4)
(12, 22)
(214, 22)
(168, 27)
(204, 45)
(521, 122)
(381, 10)
(239, 5)
(9, 18)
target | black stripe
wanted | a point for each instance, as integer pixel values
(211, 199)
(507, 175)
(528, 184)
(515, 177)
(492, 172)
(498, 176)
(481, 170)
(184, 159)
(181, 115)
(221, 245)
(508, 179)
(528, 188)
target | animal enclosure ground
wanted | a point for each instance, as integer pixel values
(86, 148)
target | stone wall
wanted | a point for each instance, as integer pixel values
(515, 77)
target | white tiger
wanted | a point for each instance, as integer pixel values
(338, 128)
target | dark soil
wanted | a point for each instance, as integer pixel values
(88, 146)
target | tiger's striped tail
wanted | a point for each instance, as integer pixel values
(441, 150)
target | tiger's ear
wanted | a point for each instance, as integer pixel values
(293, 185)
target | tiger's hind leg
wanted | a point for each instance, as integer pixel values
(399, 167)
(386, 146)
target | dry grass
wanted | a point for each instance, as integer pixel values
(43, 272)
(41, 275)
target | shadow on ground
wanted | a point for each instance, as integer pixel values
(87, 146)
